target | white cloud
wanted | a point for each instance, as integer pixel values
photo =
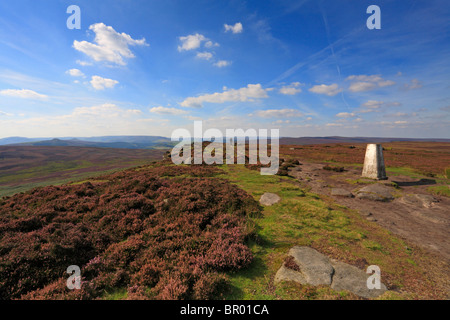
(191, 42)
(345, 115)
(279, 113)
(249, 93)
(84, 63)
(371, 106)
(204, 55)
(99, 83)
(75, 73)
(415, 84)
(222, 63)
(366, 83)
(164, 110)
(236, 28)
(22, 93)
(210, 44)
(331, 90)
(375, 106)
(291, 89)
(109, 45)
(104, 111)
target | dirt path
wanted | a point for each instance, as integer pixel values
(425, 224)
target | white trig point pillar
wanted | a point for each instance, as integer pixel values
(374, 162)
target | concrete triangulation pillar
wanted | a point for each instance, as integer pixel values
(374, 162)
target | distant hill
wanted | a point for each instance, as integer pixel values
(121, 142)
(158, 142)
(336, 139)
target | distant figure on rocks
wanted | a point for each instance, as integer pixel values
(374, 167)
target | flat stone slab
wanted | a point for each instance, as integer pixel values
(377, 192)
(340, 192)
(317, 269)
(286, 274)
(268, 199)
(350, 278)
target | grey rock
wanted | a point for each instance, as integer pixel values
(316, 267)
(377, 192)
(350, 278)
(286, 274)
(268, 199)
(341, 192)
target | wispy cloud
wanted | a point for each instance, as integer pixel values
(222, 63)
(414, 84)
(278, 113)
(345, 115)
(366, 83)
(204, 55)
(22, 93)
(249, 93)
(170, 111)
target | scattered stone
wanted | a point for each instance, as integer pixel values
(377, 192)
(318, 269)
(268, 199)
(341, 193)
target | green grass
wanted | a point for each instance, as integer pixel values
(404, 171)
(306, 219)
(440, 190)
(118, 294)
(360, 181)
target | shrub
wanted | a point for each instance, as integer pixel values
(149, 231)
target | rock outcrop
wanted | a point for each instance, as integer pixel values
(340, 192)
(317, 269)
(377, 192)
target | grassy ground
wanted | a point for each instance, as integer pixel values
(303, 218)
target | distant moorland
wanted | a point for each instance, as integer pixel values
(26, 167)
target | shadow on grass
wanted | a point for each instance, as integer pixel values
(257, 269)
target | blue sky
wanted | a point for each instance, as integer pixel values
(307, 67)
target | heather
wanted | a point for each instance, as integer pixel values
(162, 232)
